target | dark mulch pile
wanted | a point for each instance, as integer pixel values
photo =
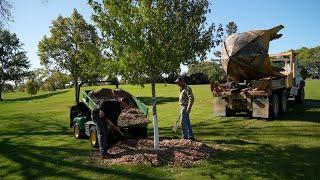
(130, 115)
(175, 152)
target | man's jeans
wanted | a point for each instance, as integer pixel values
(102, 131)
(185, 123)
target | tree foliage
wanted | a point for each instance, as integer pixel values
(212, 69)
(5, 12)
(50, 80)
(309, 58)
(149, 38)
(32, 87)
(231, 28)
(13, 60)
(73, 46)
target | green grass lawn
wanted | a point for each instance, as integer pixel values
(36, 142)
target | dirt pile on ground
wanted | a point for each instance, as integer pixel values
(175, 152)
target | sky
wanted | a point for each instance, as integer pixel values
(32, 20)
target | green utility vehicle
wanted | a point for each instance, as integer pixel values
(84, 127)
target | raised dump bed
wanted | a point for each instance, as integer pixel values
(131, 123)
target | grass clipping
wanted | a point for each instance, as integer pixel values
(174, 152)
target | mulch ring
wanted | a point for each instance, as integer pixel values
(175, 152)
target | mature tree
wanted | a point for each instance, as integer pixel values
(212, 69)
(13, 60)
(231, 28)
(309, 58)
(148, 38)
(73, 46)
(5, 12)
(57, 80)
(32, 87)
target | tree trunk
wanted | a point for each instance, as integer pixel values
(154, 115)
(1, 85)
(75, 82)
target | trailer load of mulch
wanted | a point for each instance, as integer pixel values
(131, 115)
(175, 152)
(107, 94)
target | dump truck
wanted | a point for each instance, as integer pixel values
(258, 83)
(132, 122)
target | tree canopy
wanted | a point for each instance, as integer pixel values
(212, 69)
(231, 28)
(5, 12)
(309, 59)
(149, 38)
(13, 60)
(73, 46)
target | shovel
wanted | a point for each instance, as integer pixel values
(176, 124)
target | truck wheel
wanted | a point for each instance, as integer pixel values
(284, 103)
(93, 137)
(300, 96)
(274, 106)
(77, 132)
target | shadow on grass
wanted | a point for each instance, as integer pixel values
(241, 158)
(160, 100)
(266, 161)
(34, 162)
(36, 97)
(310, 111)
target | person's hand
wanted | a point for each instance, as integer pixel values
(188, 111)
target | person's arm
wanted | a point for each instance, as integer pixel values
(190, 99)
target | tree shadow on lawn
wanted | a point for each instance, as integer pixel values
(310, 111)
(267, 161)
(241, 158)
(160, 100)
(34, 162)
(34, 125)
(42, 96)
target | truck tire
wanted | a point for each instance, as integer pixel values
(78, 133)
(283, 102)
(93, 137)
(300, 96)
(274, 108)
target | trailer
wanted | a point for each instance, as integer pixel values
(84, 127)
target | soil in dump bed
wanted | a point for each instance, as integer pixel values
(175, 152)
(131, 115)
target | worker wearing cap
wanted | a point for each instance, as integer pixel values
(186, 100)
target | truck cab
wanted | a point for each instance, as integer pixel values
(288, 65)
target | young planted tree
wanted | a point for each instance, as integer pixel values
(73, 46)
(13, 60)
(148, 38)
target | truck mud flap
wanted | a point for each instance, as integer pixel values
(260, 107)
(219, 106)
